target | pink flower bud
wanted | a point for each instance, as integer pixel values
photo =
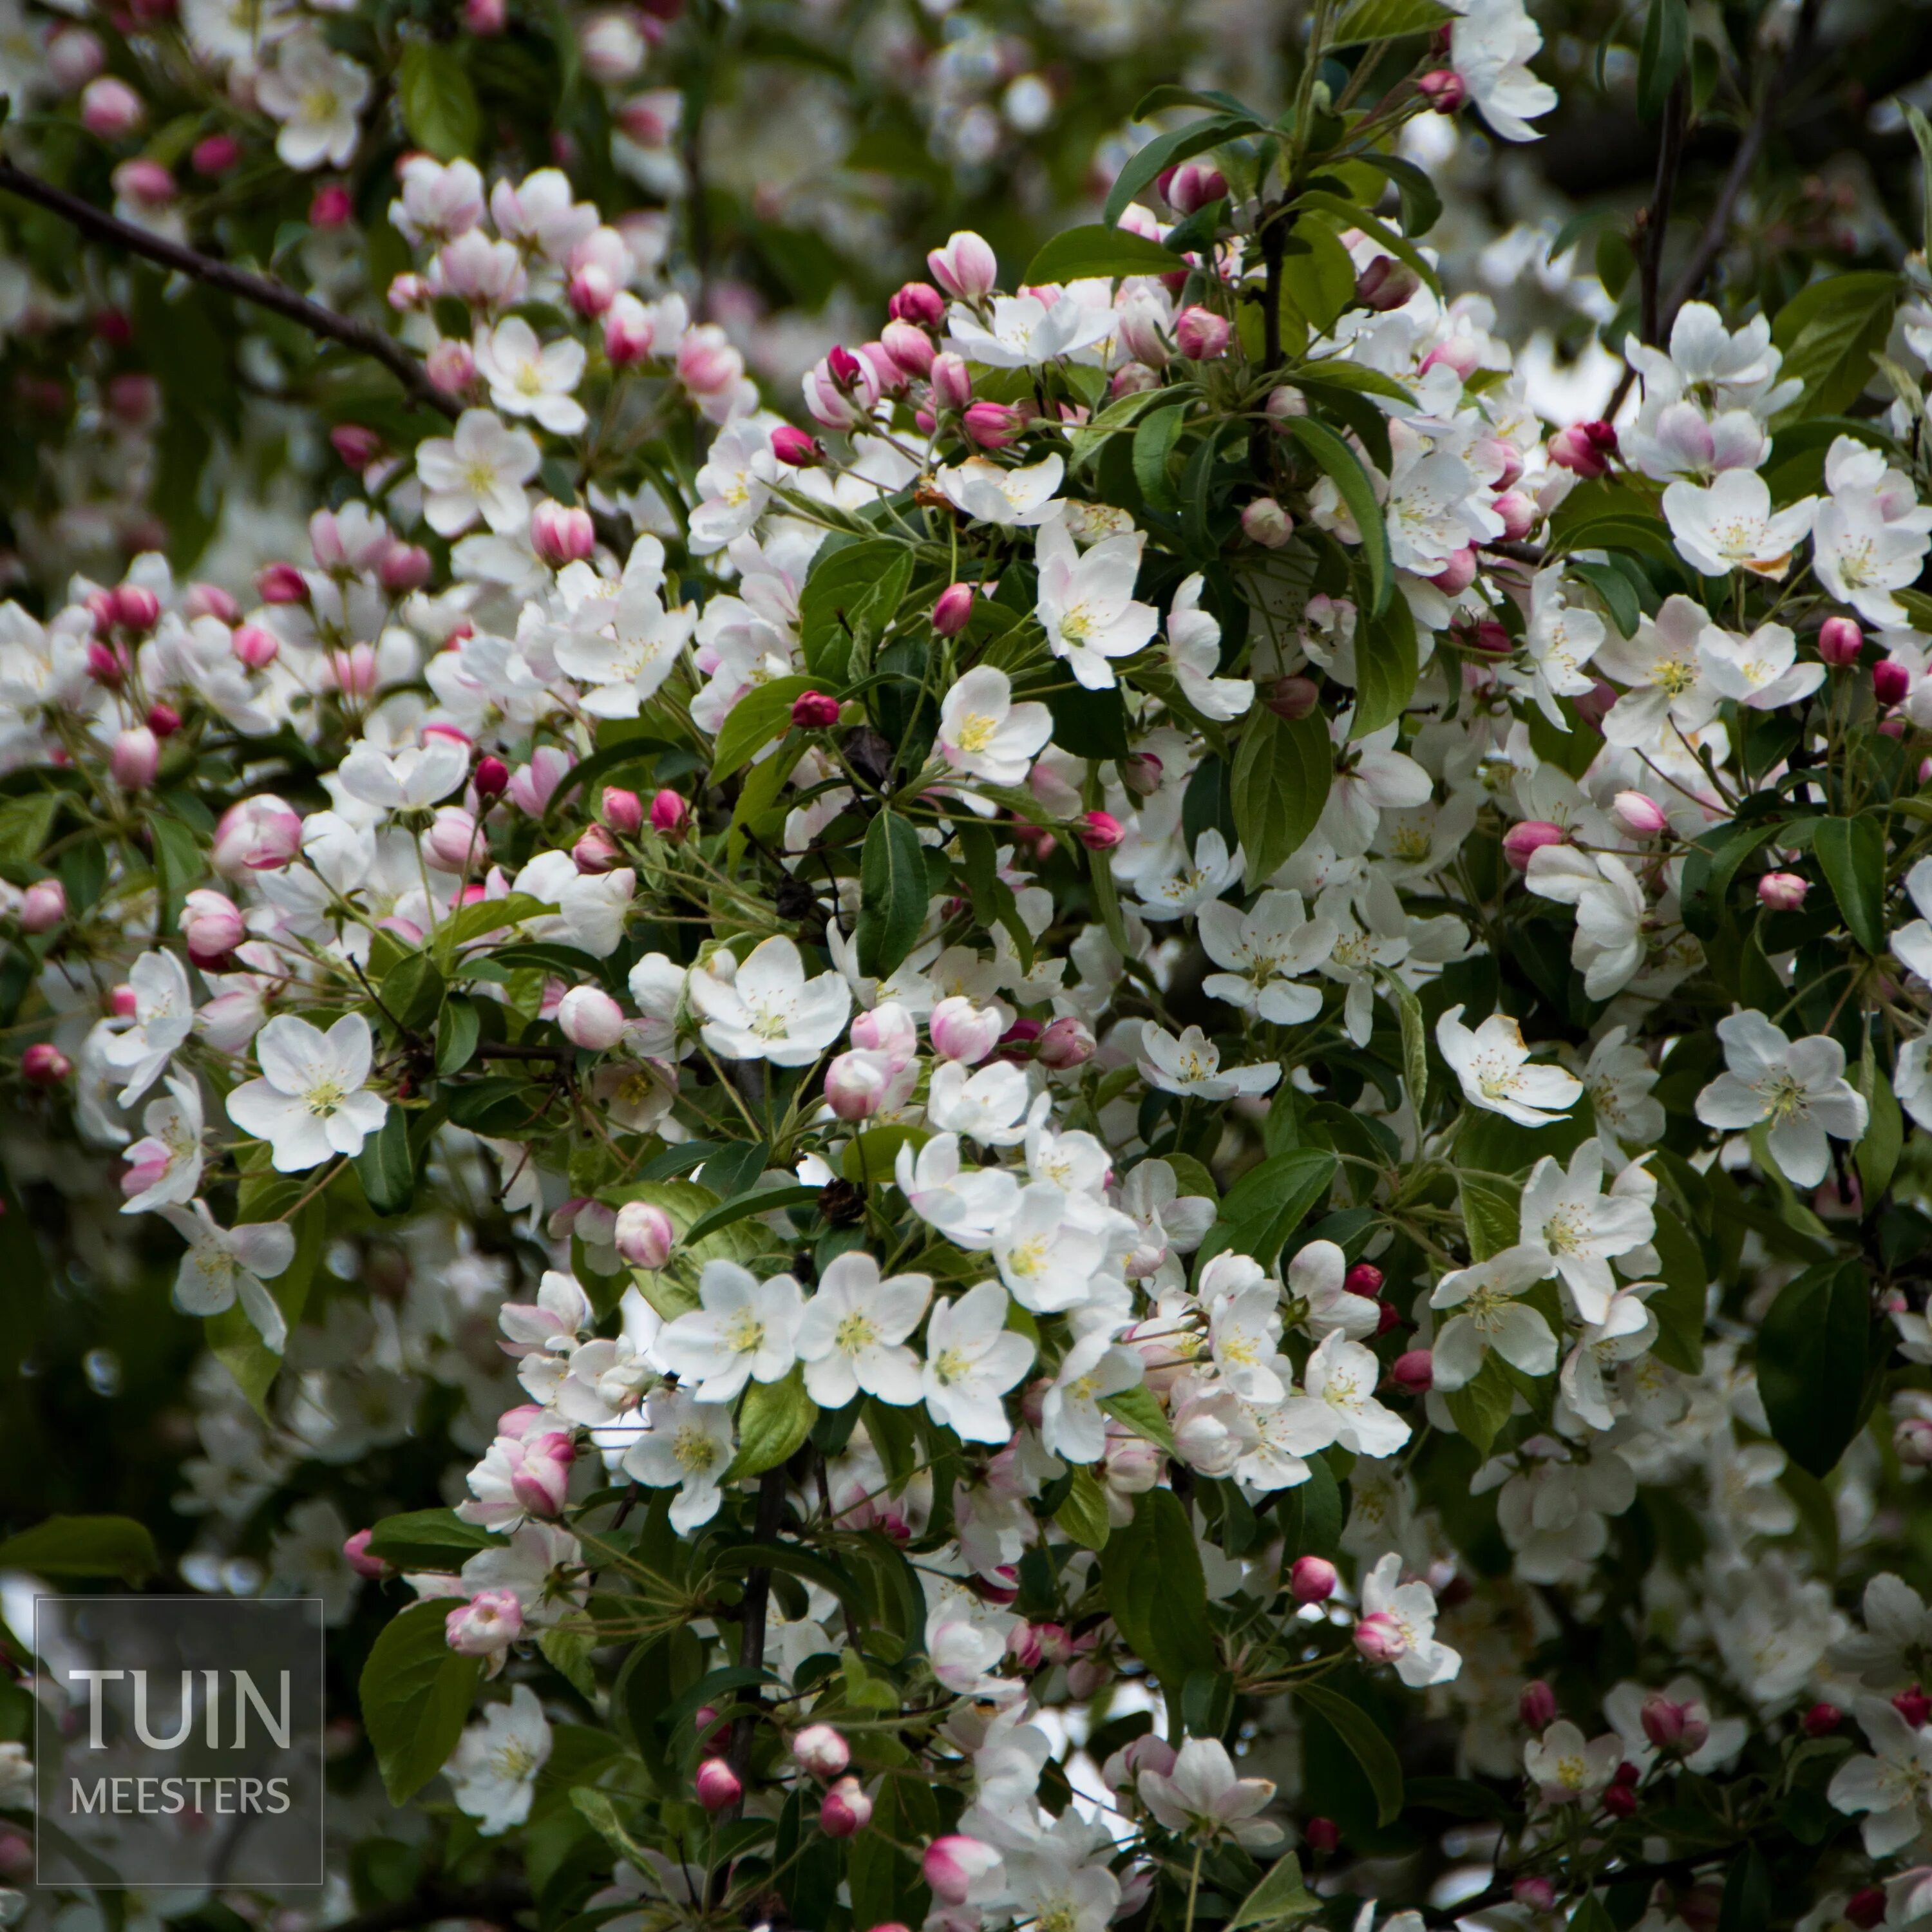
(451, 366)
(995, 425)
(1536, 1706)
(213, 926)
(356, 1550)
(1200, 334)
(1141, 772)
(1443, 89)
(1638, 814)
(136, 606)
(106, 664)
(1414, 1371)
(1364, 1279)
(1821, 1720)
(1312, 1580)
(282, 583)
(45, 1066)
(1099, 831)
(491, 777)
(1912, 1437)
(965, 268)
(43, 906)
(813, 711)
(134, 758)
(539, 1470)
(954, 610)
(623, 811)
(1519, 513)
(1292, 697)
(357, 445)
(74, 57)
(629, 333)
(954, 1864)
(256, 648)
(592, 290)
(1913, 1706)
(123, 1002)
(1379, 1638)
(1890, 680)
(1264, 521)
(259, 834)
(719, 1785)
(1193, 186)
(1535, 1892)
(1066, 1042)
(111, 109)
(669, 814)
(1457, 574)
(144, 181)
(597, 851)
(453, 841)
(847, 1810)
(331, 207)
(888, 1029)
(486, 1626)
(919, 303)
(961, 1031)
(560, 534)
(1782, 891)
(1322, 1835)
(1867, 1907)
(1663, 1721)
(590, 1019)
(1527, 836)
(644, 1234)
(856, 1085)
(822, 1750)
(209, 600)
(952, 381)
(1385, 284)
(1840, 641)
(911, 348)
(794, 447)
(405, 567)
(1586, 448)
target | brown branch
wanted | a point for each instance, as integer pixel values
(362, 336)
(751, 1643)
(496, 1903)
(1655, 221)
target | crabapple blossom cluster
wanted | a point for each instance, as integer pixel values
(1135, 1138)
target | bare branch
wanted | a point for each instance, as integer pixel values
(362, 336)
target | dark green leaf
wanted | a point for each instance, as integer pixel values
(1155, 1588)
(438, 102)
(1679, 1307)
(758, 1201)
(1167, 151)
(1363, 22)
(773, 1420)
(760, 715)
(1363, 1736)
(385, 1167)
(1283, 771)
(1812, 1352)
(1357, 494)
(1076, 253)
(893, 894)
(1666, 46)
(458, 1029)
(850, 597)
(1709, 866)
(433, 1539)
(83, 1546)
(415, 1693)
(1829, 332)
(1280, 1899)
(1385, 668)
(1266, 1204)
(1153, 443)
(1851, 853)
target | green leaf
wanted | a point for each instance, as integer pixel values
(415, 1693)
(1877, 1152)
(1679, 1307)
(438, 102)
(1829, 332)
(1660, 60)
(1167, 151)
(1480, 1408)
(1357, 494)
(1709, 866)
(773, 1420)
(1350, 216)
(1921, 134)
(487, 915)
(597, 1811)
(1140, 1409)
(1366, 21)
(1076, 253)
(1618, 593)
(385, 1166)
(1312, 1515)
(1082, 1514)
(432, 1539)
(1414, 1040)
(1748, 1903)
(893, 894)
(25, 823)
(849, 599)
(1151, 1570)
(178, 864)
(83, 1546)
(412, 991)
(1266, 1204)
(1421, 203)
(1814, 1349)
(1283, 771)
(1318, 274)
(1385, 668)
(759, 1200)
(1153, 443)
(458, 1029)
(1492, 1215)
(1280, 1899)
(1851, 853)
(760, 715)
(1363, 1736)
(1592, 1916)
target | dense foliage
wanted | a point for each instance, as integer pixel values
(1114, 1108)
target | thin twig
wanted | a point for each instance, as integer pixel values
(362, 336)
(1656, 227)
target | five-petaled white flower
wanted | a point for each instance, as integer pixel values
(989, 493)
(530, 378)
(1493, 1065)
(1191, 1065)
(1580, 1229)
(318, 96)
(1489, 1315)
(1086, 604)
(746, 1330)
(492, 1772)
(852, 1334)
(164, 1166)
(313, 1099)
(1408, 1614)
(766, 1008)
(972, 1358)
(223, 1263)
(687, 1443)
(983, 734)
(1262, 953)
(1890, 1788)
(1799, 1086)
(1201, 1797)
(1566, 1768)
(480, 471)
(163, 1017)
(1729, 525)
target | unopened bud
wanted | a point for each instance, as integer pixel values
(1639, 814)
(954, 610)
(43, 906)
(644, 1234)
(1782, 891)
(1414, 1371)
(1099, 831)
(822, 1750)
(1536, 1706)
(1312, 1579)
(1200, 334)
(669, 814)
(561, 533)
(1890, 680)
(1386, 284)
(1527, 837)
(794, 447)
(1264, 521)
(44, 1065)
(847, 1810)
(596, 851)
(590, 1019)
(1066, 1043)
(1443, 89)
(815, 711)
(1840, 641)
(719, 1785)
(1292, 698)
